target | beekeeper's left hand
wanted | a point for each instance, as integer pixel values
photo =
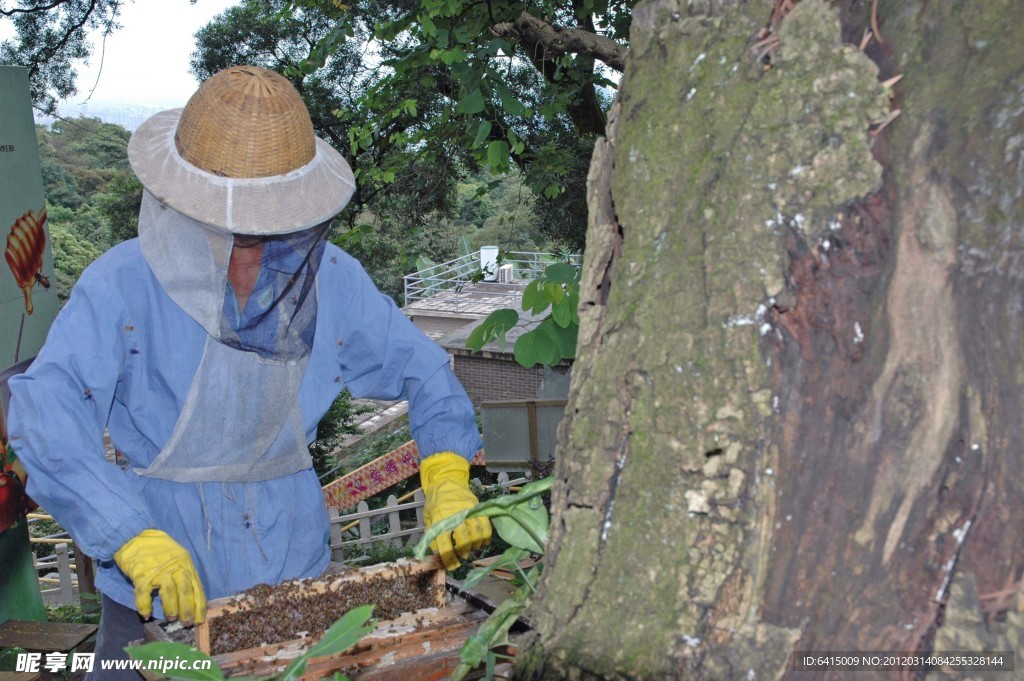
(445, 480)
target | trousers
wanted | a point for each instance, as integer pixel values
(119, 626)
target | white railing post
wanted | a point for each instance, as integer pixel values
(394, 523)
(418, 498)
(336, 553)
(67, 591)
(364, 523)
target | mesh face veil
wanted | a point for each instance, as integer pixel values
(244, 396)
(191, 259)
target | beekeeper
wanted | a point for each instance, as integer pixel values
(210, 347)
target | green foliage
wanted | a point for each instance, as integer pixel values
(554, 337)
(71, 255)
(9, 658)
(43, 528)
(521, 520)
(119, 204)
(493, 328)
(336, 424)
(342, 635)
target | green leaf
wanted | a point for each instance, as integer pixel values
(509, 559)
(345, 633)
(158, 652)
(494, 327)
(456, 54)
(513, 140)
(481, 133)
(561, 272)
(525, 350)
(533, 297)
(423, 262)
(526, 526)
(554, 292)
(341, 636)
(561, 312)
(548, 345)
(509, 101)
(471, 103)
(497, 156)
(492, 633)
(567, 339)
(429, 29)
(539, 346)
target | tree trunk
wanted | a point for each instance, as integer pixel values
(795, 422)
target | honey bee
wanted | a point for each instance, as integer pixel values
(42, 279)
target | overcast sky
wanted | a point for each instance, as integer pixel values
(146, 61)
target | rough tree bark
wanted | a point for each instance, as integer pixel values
(795, 420)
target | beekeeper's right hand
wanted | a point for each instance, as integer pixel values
(152, 560)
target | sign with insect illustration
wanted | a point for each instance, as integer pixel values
(26, 310)
(27, 306)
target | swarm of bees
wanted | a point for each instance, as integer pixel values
(291, 610)
(26, 244)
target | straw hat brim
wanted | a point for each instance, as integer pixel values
(305, 197)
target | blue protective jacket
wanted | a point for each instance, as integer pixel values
(122, 355)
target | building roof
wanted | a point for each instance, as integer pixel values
(455, 342)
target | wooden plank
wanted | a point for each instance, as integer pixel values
(202, 631)
(428, 654)
(19, 676)
(43, 637)
(408, 636)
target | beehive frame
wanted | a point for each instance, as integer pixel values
(322, 585)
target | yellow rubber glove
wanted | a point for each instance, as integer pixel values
(445, 480)
(152, 560)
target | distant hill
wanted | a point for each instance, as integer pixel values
(128, 116)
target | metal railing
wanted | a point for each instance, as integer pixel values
(456, 275)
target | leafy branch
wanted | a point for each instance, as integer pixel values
(554, 337)
(522, 520)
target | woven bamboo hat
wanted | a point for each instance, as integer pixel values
(242, 156)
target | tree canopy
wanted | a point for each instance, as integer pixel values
(419, 94)
(50, 38)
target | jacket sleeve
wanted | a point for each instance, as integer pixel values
(385, 356)
(58, 411)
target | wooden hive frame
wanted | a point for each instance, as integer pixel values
(423, 644)
(321, 585)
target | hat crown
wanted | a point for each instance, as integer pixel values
(246, 122)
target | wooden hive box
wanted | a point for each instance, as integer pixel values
(420, 644)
